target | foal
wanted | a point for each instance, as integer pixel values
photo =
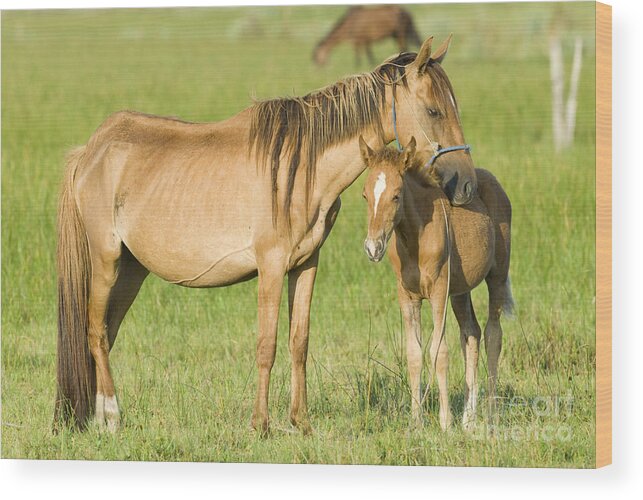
(439, 251)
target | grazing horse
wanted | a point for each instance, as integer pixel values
(439, 251)
(213, 204)
(362, 26)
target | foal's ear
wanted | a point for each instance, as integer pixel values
(423, 55)
(409, 153)
(366, 152)
(439, 55)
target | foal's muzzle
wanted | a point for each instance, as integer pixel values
(375, 248)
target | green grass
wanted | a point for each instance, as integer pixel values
(183, 362)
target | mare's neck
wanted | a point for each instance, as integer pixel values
(338, 168)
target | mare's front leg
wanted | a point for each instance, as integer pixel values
(411, 309)
(271, 277)
(301, 281)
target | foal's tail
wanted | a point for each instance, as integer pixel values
(508, 306)
(76, 374)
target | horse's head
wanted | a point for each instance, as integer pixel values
(426, 108)
(383, 192)
(320, 54)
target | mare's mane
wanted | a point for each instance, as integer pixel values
(299, 130)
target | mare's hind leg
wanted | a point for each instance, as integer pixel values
(131, 275)
(116, 279)
(470, 341)
(104, 274)
(300, 292)
(493, 341)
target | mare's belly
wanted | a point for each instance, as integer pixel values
(198, 251)
(182, 265)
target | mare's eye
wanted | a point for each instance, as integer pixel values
(363, 195)
(433, 113)
(396, 197)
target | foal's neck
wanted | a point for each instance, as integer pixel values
(417, 205)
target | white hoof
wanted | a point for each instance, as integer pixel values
(107, 414)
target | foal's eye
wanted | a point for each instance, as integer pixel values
(363, 195)
(433, 113)
(396, 198)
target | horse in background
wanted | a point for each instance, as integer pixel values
(213, 204)
(363, 26)
(439, 251)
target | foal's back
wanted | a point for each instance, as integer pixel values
(481, 234)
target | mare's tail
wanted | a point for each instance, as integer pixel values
(76, 375)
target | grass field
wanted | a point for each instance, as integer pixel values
(184, 359)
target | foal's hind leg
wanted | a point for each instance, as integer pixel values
(470, 342)
(300, 291)
(493, 341)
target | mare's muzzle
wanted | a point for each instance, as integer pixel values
(460, 189)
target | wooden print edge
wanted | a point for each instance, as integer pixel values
(603, 234)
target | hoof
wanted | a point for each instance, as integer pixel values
(261, 426)
(469, 425)
(301, 423)
(304, 427)
(107, 414)
(445, 420)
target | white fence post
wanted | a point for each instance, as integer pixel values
(564, 113)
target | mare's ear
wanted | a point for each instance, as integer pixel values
(424, 54)
(439, 55)
(409, 153)
(366, 152)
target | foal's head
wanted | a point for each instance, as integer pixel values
(383, 191)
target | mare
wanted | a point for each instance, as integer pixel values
(213, 204)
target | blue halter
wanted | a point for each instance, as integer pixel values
(437, 152)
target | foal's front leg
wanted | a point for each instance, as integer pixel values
(411, 313)
(271, 278)
(440, 356)
(300, 292)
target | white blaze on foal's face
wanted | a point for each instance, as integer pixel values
(380, 187)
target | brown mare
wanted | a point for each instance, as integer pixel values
(362, 26)
(439, 251)
(212, 204)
